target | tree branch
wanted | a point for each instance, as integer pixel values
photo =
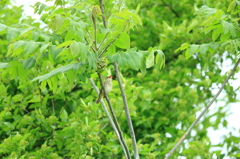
(102, 41)
(112, 42)
(114, 125)
(203, 112)
(114, 117)
(95, 31)
(165, 4)
(103, 15)
(136, 155)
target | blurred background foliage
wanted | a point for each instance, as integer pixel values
(163, 103)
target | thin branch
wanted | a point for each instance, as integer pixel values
(107, 123)
(102, 41)
(53, 106)
(93, 49)
(112, 42)
(114, 117)
(53, 112)
(203, 112)
(89, 34)
(165, 4)
(119, 134)
(95, 31)
(136, 155)
(103, 15)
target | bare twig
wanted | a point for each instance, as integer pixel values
(203, 112)
(118, 133)
(103, 14)
(114, 117)
(136, 155)
(165, 4)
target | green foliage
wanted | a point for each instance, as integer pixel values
(168, 53)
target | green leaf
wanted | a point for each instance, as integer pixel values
(225, 26)
(91, 57)
(12, 33)
(137, 9)
(54, 81)
(43, 48)
(19, 44)
(133, 60)
(35, 99)
(83, 50)
(78, 48)
(69, 36)
(160, 59)
(29, 63)
(4, 65)
(214, 45)
(123, 41)
(204, 48)
(21, 71)
(184, 46)
(217, 32)
(3, 89)
(30, 47)
(61, 69)
(150, 60)
(2, 27)
(121, 59)
(192, 49)
(53, 53)
(57, 22)
(111, 50)
(75, 48)
(64, 114)
(232, 5)
(232, 29)
(65, 44)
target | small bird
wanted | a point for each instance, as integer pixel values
(108, 88)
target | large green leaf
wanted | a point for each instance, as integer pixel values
(92, 59)
(30, 47)
(133, 60)
(29, 63)
(204, 48)
(2, 27)
(78, 48)
(160, 59)
(123, 41)
(192, 49)
(3, 65)
(61, 69)
(150, 59)
(12, 33)
(64, 44)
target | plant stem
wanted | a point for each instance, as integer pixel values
(203, 112)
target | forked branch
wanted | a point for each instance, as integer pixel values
(136, 155)
(113, 121)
